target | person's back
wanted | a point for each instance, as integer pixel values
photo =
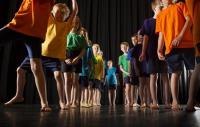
(148, 28)
(170, 22)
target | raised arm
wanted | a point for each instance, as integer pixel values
(74, 10)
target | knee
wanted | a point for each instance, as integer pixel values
(57, 75)
(20, 71)
(36, 67)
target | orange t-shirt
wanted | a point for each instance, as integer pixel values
(194, 9)
(170, 22)
(32, 18)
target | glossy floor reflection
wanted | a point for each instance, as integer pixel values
(29, 116)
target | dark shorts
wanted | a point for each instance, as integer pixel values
(156, 66)
(84, 81)
(33, 44)
(131, 80)
(179, 56)
(96, 84)
(49, 64)
(77, 68)
(112, 87)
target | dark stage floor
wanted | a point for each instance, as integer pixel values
(30, 116)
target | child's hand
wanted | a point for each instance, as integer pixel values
(141, 58)
(68, 61)
(75, 60)
(128, 74)
(176, 41)
(161, 56)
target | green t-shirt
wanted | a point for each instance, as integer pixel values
(123, 61)
(75, 42)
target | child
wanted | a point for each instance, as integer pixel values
(194, 9)
(124, 68)
(29, 26)
(177, 37)
(72, 66)
(86, 67)
(111, 80)
(98, 75)
(52, 51)
(138, 70)
(155, 66)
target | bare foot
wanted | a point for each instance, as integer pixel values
(154, 106)
(45, 109)
(176, 107)
(168, 106)
(143, 105)
(14, 100)
(73, 106)
(63, 106)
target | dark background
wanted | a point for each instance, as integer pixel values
(108, 22)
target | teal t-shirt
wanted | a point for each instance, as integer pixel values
(111, 77)
(123, 61)
(75, 42)
(88, 56)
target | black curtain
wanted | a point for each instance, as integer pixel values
(108, 22)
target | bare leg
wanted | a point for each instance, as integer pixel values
(75, 90)
(174, 90)
(82, 96)
(90, 95)
(114, 97)
(165, 80)
(98, 97)
(109, 97)
(153, 88)
(68, 87)
(37, 69)
(148, 93)
(193, 88)
(60, 88)
(142, 91)
(95, 97)
(20, 88)
(128, 94)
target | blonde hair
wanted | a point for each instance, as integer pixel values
(155, 3)
(125, 43)
(63, 7)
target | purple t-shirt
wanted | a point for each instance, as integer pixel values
(137, 67)
(148, 29)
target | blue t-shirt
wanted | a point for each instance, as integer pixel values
(85, 61)
(111, 76)
(148, 29)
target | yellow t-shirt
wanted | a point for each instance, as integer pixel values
(55, 43)
(32, 18)
(98, 67)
